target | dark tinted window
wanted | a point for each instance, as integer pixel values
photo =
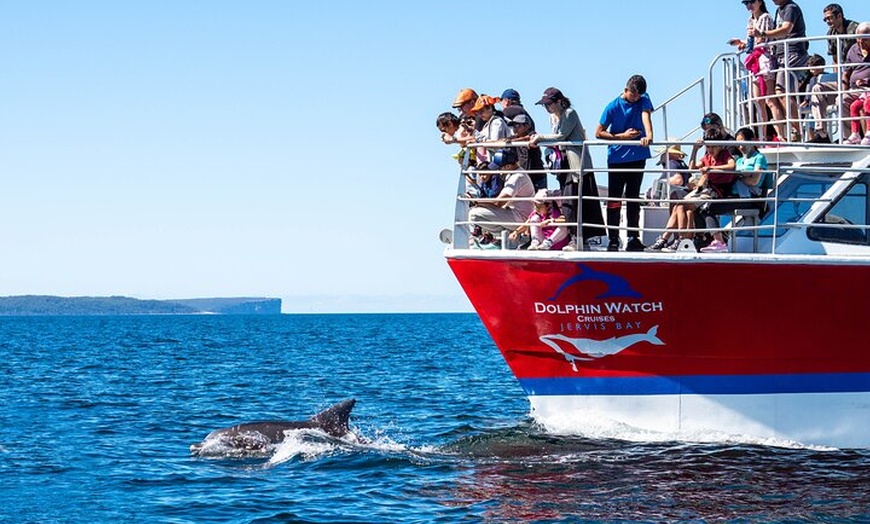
(850, 210)
(795, 197)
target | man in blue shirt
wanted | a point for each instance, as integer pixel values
(627, 118)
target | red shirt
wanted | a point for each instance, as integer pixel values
(719, 181)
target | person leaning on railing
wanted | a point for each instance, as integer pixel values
(529, 157)
(464, 101)
(580, 180)
(626, 118)
(494, 127)
(512, 106)
(454, 131)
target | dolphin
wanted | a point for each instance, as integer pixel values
(590, 349)
(258, 436)
(617, 287)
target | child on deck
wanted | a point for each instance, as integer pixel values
(453, 131)
(487, 184)
(860, 107)
(541, 225)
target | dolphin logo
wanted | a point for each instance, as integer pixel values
(589, 349)
(257, 437)
(617, 287)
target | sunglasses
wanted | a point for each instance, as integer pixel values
(747, 2)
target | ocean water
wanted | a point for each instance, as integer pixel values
(97, 416)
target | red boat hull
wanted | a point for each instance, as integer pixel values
(647, 327)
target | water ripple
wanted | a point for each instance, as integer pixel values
(103, 411)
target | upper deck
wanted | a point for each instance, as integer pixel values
(817, 209)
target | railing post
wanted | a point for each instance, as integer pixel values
(460, 233)
(579, 238)
(665, 120)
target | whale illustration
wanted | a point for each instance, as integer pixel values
(590, 349)
(617, 287)
(258, 437)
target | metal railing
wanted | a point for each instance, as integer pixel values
(738, 107)
(768, 225)
(741, 108)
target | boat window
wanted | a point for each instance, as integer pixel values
(796, 195)
(851, 209)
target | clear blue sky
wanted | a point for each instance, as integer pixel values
(175, 149)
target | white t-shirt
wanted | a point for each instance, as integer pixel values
(519, 185)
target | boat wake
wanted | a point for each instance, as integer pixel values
(306, 445)
(598, 427)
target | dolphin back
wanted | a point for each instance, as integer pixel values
(271, 429)
(335, 420)
(256, 437)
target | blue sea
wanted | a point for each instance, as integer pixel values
(97, 416)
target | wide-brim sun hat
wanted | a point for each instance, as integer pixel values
(675, 150)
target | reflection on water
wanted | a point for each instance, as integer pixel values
(522, 475)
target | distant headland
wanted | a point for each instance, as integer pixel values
(39, 305)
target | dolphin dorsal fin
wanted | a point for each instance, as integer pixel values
(335, 420)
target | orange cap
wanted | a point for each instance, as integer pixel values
(483, 101)
(464, 96)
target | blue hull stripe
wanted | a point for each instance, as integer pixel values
(701, 384)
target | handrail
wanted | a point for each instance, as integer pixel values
(736, 115)
(710, 69)
(774, 201)
(734, 101)
(680, 93)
